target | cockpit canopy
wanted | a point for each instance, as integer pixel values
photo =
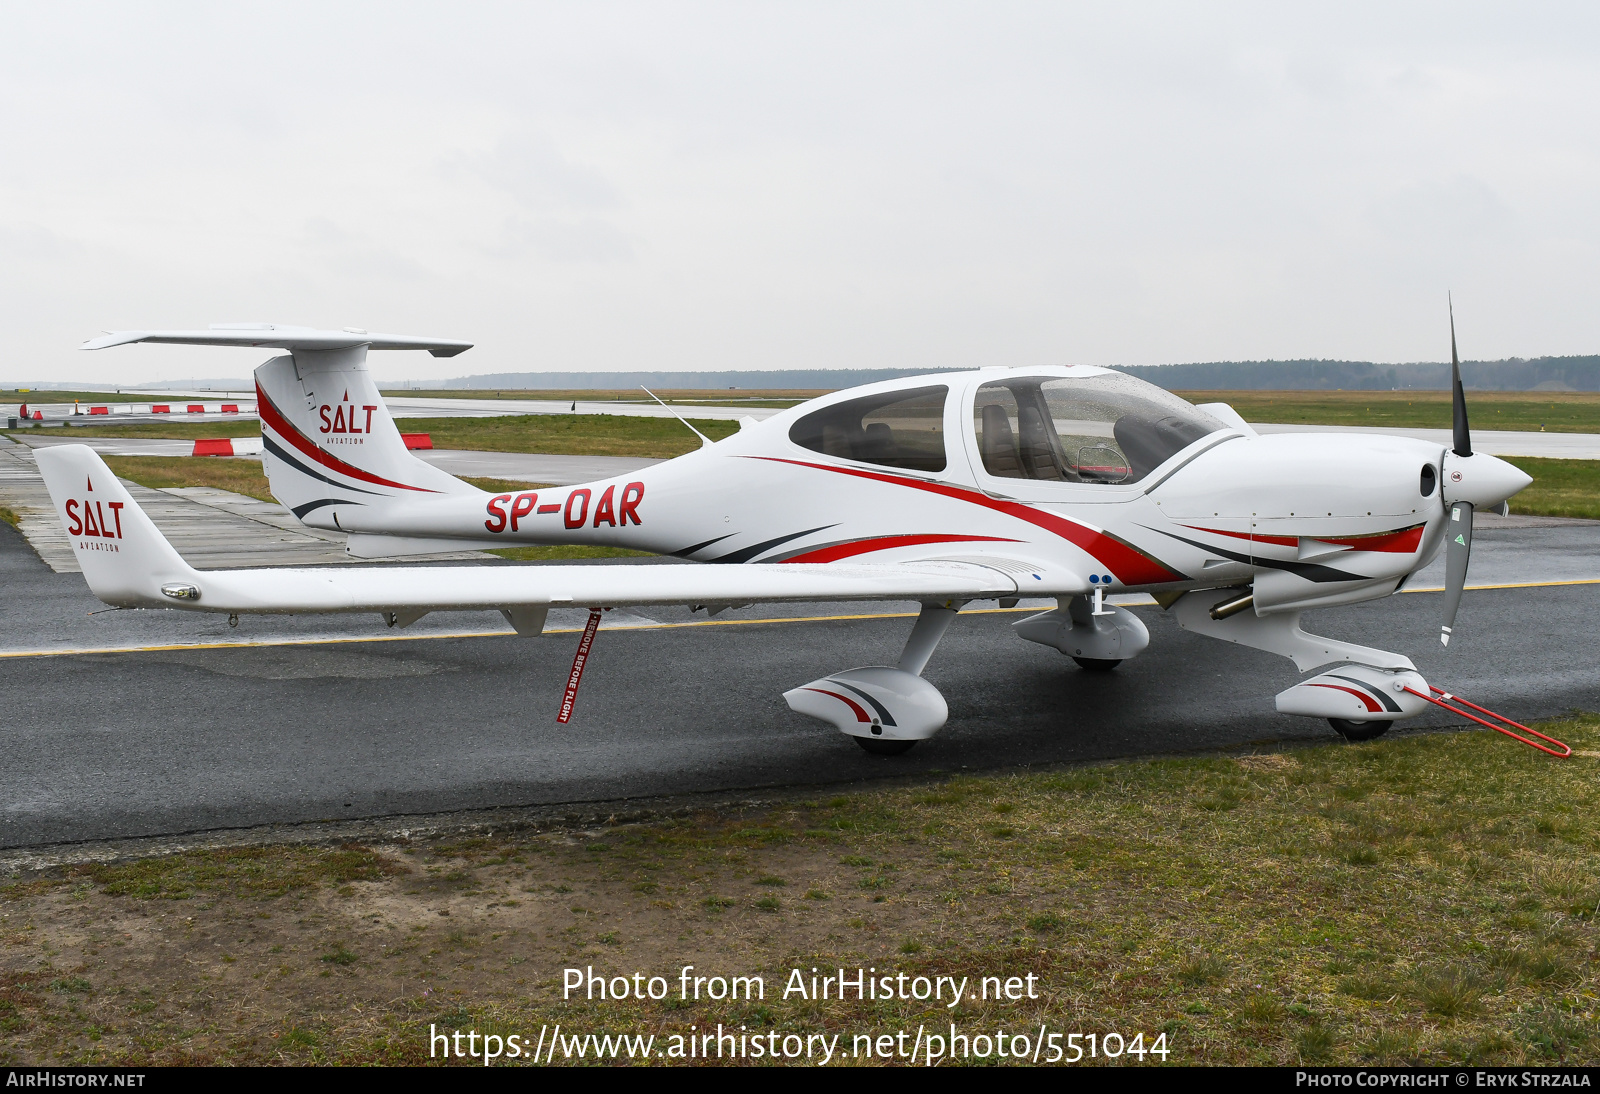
(1094, 427)
(1102, 428)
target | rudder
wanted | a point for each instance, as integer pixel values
(329, 442)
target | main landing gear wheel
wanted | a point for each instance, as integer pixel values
(1097, 664)
(878, 747)
(1358, 731)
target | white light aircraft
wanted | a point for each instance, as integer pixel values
(1066, 482)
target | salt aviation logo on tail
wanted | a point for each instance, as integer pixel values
(345, 420)
(87, 518)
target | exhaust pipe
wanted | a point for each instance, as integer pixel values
(1222, 609)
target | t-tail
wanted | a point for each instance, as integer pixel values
(329, 444)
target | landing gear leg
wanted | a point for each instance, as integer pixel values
(931, 624)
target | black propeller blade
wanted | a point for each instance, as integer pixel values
(1458, 549)
(1461, 434)
(1457, 552)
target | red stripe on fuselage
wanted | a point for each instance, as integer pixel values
(271, 415)
(885, 543)
(1276, 541)
(1130, 565)
(1402, 541)
(1372, 704)
(861, 714)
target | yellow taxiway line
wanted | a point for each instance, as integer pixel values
(1134, 600)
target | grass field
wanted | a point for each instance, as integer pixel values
(570, 434)
(1561, 488)
(165, 472)
(1426, 899)
(1556, 412)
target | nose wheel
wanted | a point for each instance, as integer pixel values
(1097, 664)
(877, 747)
(1358, 731)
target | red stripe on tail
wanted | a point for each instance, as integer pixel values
(272, 416)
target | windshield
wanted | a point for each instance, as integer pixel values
(1105, 428)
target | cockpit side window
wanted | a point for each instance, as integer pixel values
(1107, 428)
(893, 428)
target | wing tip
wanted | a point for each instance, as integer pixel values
(113, 338)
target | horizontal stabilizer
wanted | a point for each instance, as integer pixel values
(273, 336)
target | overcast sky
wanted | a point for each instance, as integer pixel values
(595, 186)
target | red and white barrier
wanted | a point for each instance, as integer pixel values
(417, 440)
(197, 408)
(227, 446)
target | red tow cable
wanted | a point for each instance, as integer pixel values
(1445, 699)
(576, 676)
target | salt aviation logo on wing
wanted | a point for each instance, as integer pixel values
(92, 522)
(345, 421)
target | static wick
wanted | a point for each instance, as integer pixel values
(576, 676)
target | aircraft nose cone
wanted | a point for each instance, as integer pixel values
(1481, 479)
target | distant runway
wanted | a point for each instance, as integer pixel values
(133, 446)
(435, 407)
(1561, 446)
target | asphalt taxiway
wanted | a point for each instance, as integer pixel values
(287, 720)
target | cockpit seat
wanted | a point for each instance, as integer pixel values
(877, 441)
(1000, 444)
(1038, 457)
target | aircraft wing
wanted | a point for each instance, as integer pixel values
(450, 588)
(279, 337)
(129, 563)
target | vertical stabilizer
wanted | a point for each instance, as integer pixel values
(329, 442)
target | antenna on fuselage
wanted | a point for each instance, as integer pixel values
(704, 440)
